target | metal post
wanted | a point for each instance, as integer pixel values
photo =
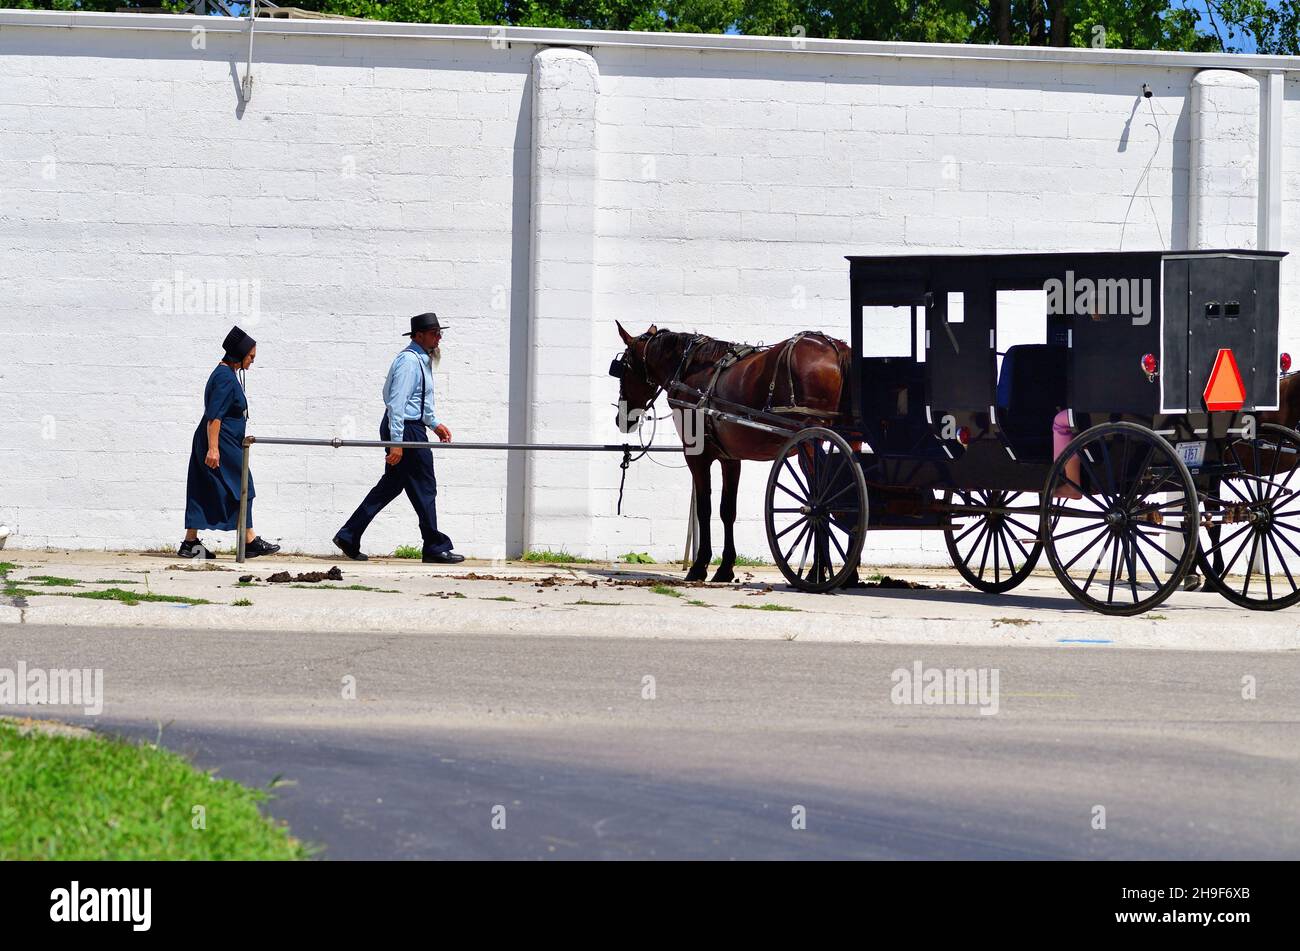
(242, 527)
(692, 527)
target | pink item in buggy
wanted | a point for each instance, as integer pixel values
(1062, 433)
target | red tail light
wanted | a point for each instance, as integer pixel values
(1149, 365)
(1285, 362)
(963, 435)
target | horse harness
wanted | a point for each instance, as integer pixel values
(734, 354)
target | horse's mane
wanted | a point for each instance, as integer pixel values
(708, 350)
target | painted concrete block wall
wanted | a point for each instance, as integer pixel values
(531, 197)
(367, 180)
(564, 384)
(1223, 202)
(1290, 297)
(732, 187)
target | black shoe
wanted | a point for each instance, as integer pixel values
(352, 551)
(194, 549)
(259, 547)
(444, 558)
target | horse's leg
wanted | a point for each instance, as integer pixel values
(727, 509)
(699, 465)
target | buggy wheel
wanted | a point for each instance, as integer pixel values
(994, 551)
(816, 510)
(1256, 519)
(1111, 548)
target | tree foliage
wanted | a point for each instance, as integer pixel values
(1265, 26)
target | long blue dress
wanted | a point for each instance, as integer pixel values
(212, 495)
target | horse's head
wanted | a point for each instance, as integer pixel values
(636, 388)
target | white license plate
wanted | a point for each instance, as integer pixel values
(1192, 454)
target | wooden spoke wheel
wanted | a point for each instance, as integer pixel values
(1250, 550)
(1124, 544)
(993, 550)
(816, 510)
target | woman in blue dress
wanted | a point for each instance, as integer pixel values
(217, 454)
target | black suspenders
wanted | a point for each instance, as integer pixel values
(422, 389)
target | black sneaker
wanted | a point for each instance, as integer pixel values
(352, 551)
(444, 558)
(194, 549)
(259, 547)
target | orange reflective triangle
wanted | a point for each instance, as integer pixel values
(1225, 391)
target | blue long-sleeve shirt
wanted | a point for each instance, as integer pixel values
(410, 378)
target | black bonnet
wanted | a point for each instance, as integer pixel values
(237, 345)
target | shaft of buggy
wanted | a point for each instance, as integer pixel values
(249, 441)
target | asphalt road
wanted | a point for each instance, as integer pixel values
(557, 731)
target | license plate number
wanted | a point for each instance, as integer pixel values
(1192, 454)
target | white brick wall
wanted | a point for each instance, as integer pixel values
(375, 176)
(1291, 217)
(363, 183)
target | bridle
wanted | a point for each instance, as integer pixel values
(618, 368)
(620, 365)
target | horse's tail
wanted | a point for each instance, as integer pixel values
(845, 355)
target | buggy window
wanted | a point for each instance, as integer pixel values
(892, 330)
(1021, 319)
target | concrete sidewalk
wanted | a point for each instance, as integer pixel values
(600, 600)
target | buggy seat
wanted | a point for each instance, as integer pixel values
(1031, 391)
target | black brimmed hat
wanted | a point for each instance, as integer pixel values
(237, 344)
(422, 322)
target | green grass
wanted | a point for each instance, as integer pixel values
(744, 561)
(695, 603)
(666, 589)
(241, 603)
(409, 551)
(557, 557)
(53, 581)
(135, 597)
(344, 587)
(636, 558)
(13, 590)
(500, 597)
(10, 589)
(113, 581)
(96, 798)
(764, 607)
(603, 604)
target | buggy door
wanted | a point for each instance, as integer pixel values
(960, 340)
(1217, 302)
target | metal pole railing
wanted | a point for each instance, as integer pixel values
(692, 526)
(242, 528)
(520, 446)
(249, 441)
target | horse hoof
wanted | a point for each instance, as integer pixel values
(723, 577)
(695, 576)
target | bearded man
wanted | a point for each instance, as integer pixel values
(408, 396)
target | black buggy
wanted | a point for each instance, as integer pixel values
(1160, 362)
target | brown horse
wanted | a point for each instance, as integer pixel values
(1288, 402)
(802, 378)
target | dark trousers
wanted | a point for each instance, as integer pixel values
(414, 475)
